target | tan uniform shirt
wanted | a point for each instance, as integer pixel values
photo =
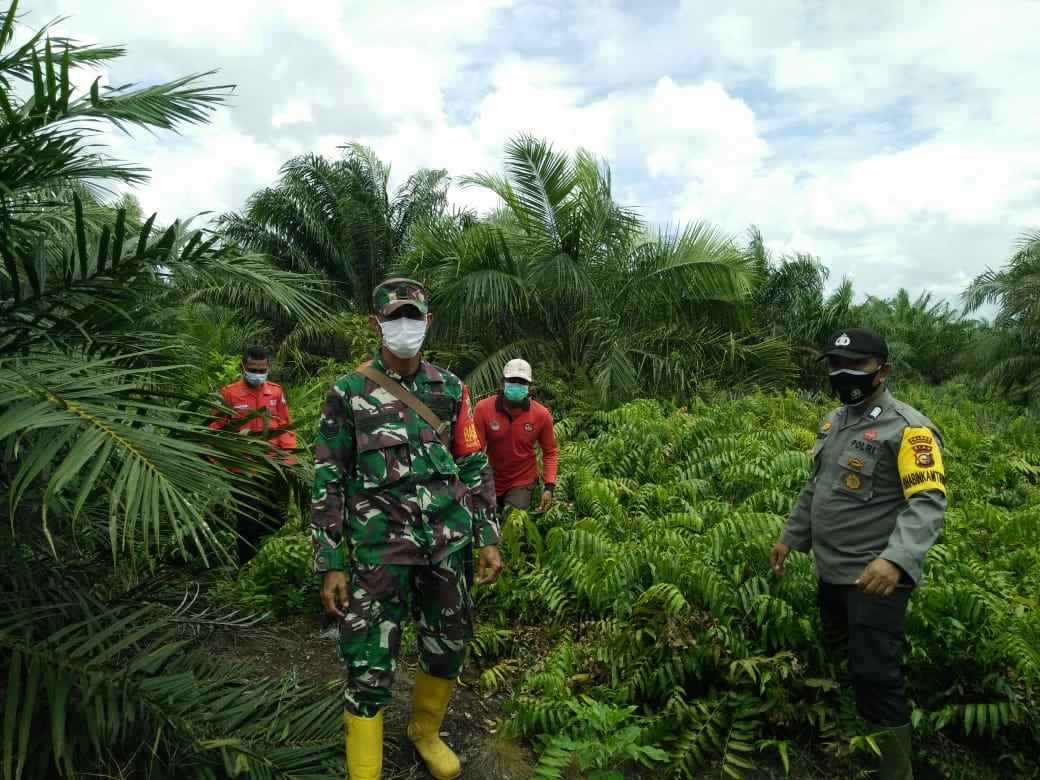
(877, 488)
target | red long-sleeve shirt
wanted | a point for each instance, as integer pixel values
(268, 397)
(510, 443)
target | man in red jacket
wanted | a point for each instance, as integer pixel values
(509, 424)
(264, 404)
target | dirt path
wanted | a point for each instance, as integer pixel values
(304, 648)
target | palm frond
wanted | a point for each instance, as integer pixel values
(542, 181)
(251, 285)
(120, 277)
(80, 430)
(486, 376)
(98, 681)
(42, 139)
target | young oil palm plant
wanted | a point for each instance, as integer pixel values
(108, 467)
(566, 276)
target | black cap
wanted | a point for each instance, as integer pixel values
(855, 343)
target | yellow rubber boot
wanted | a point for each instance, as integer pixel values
(364, 746)
(429, 703)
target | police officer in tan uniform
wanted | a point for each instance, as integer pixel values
(872, 508)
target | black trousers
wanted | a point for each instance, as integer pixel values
(260, 514)
(870, 629)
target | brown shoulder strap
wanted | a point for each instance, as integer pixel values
(408, 398)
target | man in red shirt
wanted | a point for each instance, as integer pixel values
(509, 424)
(264, 403)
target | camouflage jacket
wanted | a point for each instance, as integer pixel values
(407, 499)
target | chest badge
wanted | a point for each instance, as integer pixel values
(870, 435)
(529, 427)
(857, 463)
(494, 425)
(875, 412)
(852, 481)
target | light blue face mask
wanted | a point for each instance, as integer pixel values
(516, 392)
(254, 379)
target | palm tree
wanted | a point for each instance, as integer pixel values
(926, 339)
(791, 302)
(337, 218)
(565, 275)
(1015, 289)
(1011, 350)
(108, 465)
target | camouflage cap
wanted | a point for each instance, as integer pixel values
(392, 294)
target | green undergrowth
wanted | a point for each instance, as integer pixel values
(671, 648)
(677, 648)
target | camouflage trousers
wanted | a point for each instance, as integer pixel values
(381, 596)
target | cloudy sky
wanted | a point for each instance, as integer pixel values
(899, 142)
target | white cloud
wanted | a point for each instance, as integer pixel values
(191, 174)
(295, 112)
(891, 139)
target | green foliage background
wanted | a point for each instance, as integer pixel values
(654, 569)
(671, 644)
(669, 357)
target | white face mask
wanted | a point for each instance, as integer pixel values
(404, 337)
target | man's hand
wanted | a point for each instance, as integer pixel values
(777, 558)
(334, 593)
(546, 502)
(489, 566)
(880, 578)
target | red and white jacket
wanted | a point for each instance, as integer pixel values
(269, 400)
(510, 443)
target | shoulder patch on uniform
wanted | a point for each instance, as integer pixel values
(920, 462)
(466, 440)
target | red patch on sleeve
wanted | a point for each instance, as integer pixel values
(466, 441)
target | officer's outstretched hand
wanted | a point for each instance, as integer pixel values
(777, 558)
(334, 593)
(880, 578)
(489, 566)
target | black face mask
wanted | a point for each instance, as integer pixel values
(853, 387)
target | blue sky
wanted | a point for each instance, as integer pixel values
(896, 141)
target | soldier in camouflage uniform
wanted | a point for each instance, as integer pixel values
(414, 503)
